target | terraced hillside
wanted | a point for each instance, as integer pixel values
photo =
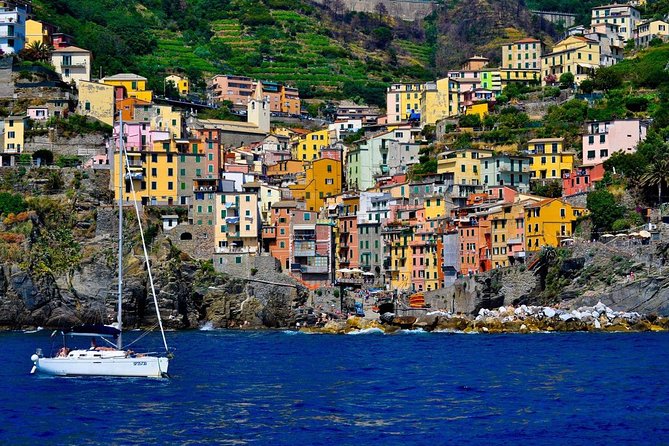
(295, 42)
(326, 53)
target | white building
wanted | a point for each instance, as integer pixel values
(13, 26)
(627, 17)
(72, 63)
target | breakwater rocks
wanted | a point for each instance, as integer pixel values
(522, 319)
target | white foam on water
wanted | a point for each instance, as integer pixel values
(366, 331)
(208, 326)
(415, 331)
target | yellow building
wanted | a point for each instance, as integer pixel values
(401, 100)
(463, 165)
(548, 222)
(510, 75)
(38, 32)
(648, 30)
(97, 101)
(480, 109)
(181, 83)
(397, 255)
(153, 172)
(168, 118)
(438, 101)
(237, 222)
(14, 134)
(524, 54)
(309, 146)
(435, 207)
(549, 160)
(135, 86)
(322, 179)
(507, 234)
(577, 55)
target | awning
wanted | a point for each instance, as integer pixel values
(344, 270)
(93, 330)
(588, 66)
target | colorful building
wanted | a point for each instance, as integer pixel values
(72, 63)
(524, 54)
(13, 18)
(549, 160)
(581, 179)
(322, 179)
(97, 101)
(180, 83)
(13, 138)
(506, 170)
(309, 146)
(577, 55)
(402, 100)
(625, 16)
(604, 138)
(237, 223)
(135, 86)
(38, 32)
(649, 30)
(549, 222)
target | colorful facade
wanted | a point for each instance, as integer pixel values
(549, 160)
(549, 222)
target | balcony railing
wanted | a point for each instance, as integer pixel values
(313, 269)
(350, 281)
(236, 250)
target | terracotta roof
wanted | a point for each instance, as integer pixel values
(527, 40)
(71, 49)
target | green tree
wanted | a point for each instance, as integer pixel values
(11, 203)
(656, 174)
(604, 210)
(567, 80)
(587, 86)
(607, 78)
(469, 121)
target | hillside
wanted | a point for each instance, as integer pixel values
(294, 42)
(325, 52)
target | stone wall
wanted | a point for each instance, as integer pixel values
(199, 245)
(80, 145)
(557, 17)
(409, 10)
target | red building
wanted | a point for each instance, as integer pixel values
(581, 179)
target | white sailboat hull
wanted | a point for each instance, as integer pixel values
(107, 365)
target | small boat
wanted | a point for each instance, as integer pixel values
(114, 359)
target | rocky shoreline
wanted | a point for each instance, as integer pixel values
(522, 319)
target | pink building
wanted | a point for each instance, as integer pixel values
(38, 113)
(236, 89)
(139, 135)
(603, 139)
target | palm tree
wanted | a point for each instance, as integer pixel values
(39, 51)
(656, 173)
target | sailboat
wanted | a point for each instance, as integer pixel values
(113, 360)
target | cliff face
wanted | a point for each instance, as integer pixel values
(65, 271)
(624, 275)
(466, 28)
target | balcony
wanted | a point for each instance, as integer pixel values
(236, 250)
(135, 176)
(508, 169)
(313, 269)
(304, 249)
(73, 65)
(7, 34)
(350, 281)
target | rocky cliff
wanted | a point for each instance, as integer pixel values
(64, 271)
(625, 275)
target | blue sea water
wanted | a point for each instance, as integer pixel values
(283, 388)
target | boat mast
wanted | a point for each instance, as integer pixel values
(119, 343)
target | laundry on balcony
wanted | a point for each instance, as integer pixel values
(232, 220)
